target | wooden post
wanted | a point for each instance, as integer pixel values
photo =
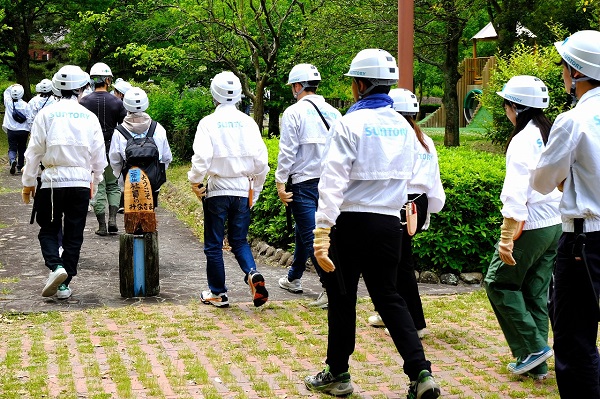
(405, 43)
(138, 265)
(138, 247)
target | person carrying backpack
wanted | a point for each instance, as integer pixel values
(140, 141)
(16, 124)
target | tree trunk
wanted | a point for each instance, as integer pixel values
(259, 105)
(451, 77)
(274, 112)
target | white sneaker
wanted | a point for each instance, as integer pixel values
(423, 332)
(321, 302)
(375, 321)
(55, 279)
(220, 300)
(294, 286)
(64, 292)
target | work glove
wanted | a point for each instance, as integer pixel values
(321, 248)
(506, 244)
(199, 190)
(28, 193)
(284, 196)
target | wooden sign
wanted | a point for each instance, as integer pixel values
(139, 205)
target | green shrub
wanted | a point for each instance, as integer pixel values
(524, 60)
(179, 113)
(462, 236)
(268, 215)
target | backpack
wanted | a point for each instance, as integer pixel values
(18, 116)
(143, 153)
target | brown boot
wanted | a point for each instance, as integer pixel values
(112, 219)
(102, 223)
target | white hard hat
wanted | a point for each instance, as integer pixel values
(405, 101)
(376, 65)
(581, 51)
(100, 69)
(55, 91)
(226, 88)
(16, 91)
(70, 77)
(45, 86)
(136, 100)
(302, 73)
(122, 86)
(526, 90)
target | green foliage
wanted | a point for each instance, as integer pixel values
(462, 236)
(179, 113)
(523, 60)
(268, 215)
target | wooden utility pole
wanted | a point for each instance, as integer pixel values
(406, 11)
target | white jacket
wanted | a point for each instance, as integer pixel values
(67, 139)
(38, 102)
(573, 153)
(137, 124)
(367, 165)
(8, 123)
(229, 149)
(426, 178)
(520, 201)
(304, 138)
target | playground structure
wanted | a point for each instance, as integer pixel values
(475, 77)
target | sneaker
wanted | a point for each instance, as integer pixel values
(218, 300)
(375, 321)
(257, 287)
(424, 388)
(325, 382)
(532, 360)
(19, 170)
(121, 210)
(294, 286)
(422, 332)
(55, 279)
(63, 292)
(13, 167)
(321, 302)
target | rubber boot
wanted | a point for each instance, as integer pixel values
(102, 223)
(112, 219)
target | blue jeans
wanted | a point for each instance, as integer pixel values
(236, 212)
(304, 206)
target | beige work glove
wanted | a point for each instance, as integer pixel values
(321, 248)
(28, 193)
(199, 190)
(284, 196)
(506, 244)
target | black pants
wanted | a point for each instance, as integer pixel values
(69, 205)
(406, 282)
(17, 144)
(574, 318)
(368, 244)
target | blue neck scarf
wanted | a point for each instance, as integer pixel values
(378, 100)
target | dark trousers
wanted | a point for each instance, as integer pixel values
(574, 318)
(368, 244)
(69, 206)
(304, 206)
(17, 144)
(406, 282)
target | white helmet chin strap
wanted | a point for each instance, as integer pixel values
(518, 111)
(304, 86)
(367, 91)
(573, 84)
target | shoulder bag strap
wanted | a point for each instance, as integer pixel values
(151, 129)
(319, 112)
(124, 132)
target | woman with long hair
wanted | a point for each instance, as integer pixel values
(520, 270)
